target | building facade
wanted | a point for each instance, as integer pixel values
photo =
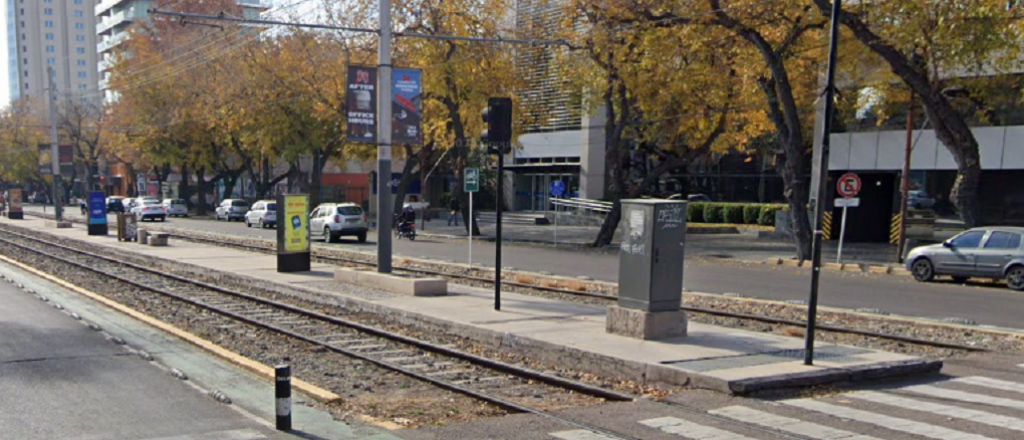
(57, 34)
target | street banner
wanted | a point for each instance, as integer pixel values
(405, 107)
(361, 104)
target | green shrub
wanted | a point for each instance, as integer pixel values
(733, 213)
(695, 212)
(713, 213)
(751, 213)
(767, 217)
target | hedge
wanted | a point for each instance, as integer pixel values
(733, 213)
(767, 217)
(751, 213)
(713, 213)
(695, 212)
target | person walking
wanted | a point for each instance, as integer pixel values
(456, 209)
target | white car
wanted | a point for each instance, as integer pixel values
(262, 213)
(149, 209)
(330, 221)
(175, 207)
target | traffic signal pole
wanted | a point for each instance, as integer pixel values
(820, 188)
(497, 244)
(54, 149)
(384, 207)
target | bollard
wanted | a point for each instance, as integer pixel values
(283, 392)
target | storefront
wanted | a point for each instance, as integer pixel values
(533, 185)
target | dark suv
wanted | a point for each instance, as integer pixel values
(115, 204)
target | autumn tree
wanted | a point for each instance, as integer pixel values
(937, 49)
(21, 132)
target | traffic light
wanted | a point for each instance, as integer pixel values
(497, 117)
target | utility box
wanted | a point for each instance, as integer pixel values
(650, 270)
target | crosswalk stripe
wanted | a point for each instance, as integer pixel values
(580, 434)
(787, 424)
(887, 422)
(989, 382)
(238, 434)
(963, 396)
(690, 430)
(972, 415)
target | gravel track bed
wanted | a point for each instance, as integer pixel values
(967, 336)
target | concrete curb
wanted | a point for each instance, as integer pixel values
(878, 269)
(236, 359)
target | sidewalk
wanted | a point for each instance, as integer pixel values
(564, 334)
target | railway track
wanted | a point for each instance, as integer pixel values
(333, 259)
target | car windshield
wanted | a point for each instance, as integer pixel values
(239, 204)
(271, 206)
(177, 202)
(350, 210)
(967, 240)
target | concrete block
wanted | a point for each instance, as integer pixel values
(793, 263)
(402, 284)
(58, 225)
(639, 324)
(774, 261)
(883, 270)
(158, 239)
(143, 236)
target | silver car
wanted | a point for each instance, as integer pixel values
(263, 214)
(231, 209)
(330, 221)
(990, 252)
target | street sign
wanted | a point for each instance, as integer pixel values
(848, 185)
(557, 188)
(471, 182)
(849, 202)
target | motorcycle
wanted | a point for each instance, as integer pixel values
(407, 230)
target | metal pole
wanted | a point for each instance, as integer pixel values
(497, 246)
(283, 396)
(54, 150)
(905, 183)
(842, 234)
(556, 225)
(384, 208)
(821, 184)
(456, 213)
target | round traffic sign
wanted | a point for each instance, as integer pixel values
(848, 185)
(557, 188)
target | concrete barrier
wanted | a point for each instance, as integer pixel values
(158, 239)
(143, 236)
(402, 284)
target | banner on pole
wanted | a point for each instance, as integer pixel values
(405, 107)
(361, 104)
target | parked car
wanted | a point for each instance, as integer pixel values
(39, 197)
(175, 207)
(691, 197)
(331, 221)
(231, 209)
(115, 204)
(990, 252)
(149, 209)
(262, 213)
(920, 200)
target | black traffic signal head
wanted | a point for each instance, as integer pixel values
(497, 117)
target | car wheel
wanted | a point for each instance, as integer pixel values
(262, 226)
(247, 223)
(1015, 278)
(923, 270)
(960, 280)
(327, 234)
(362, 237)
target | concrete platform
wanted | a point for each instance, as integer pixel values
(567, 334)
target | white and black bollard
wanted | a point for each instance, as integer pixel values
(283, 392)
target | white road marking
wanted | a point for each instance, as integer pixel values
(884, 421)
(963, 396)
(580, 434)
(690, 430)
(787, 424)
(982, 417)
(238, 434)
(989, 382)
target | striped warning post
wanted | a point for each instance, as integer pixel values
(894, 228)
(826, 225)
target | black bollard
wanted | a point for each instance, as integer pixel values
(283, 392)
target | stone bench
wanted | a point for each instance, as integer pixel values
(158, 239)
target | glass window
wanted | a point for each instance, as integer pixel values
(79, 14)
(48, 23)
(350, 210)
(50, 48)
(79, 37)
(968, 240)
(239, 204)
(50, 61)
(49, 36)
(78, 2)
(1003, 240)
(82, 75)
(80, 62)
(26, 86)
(48, 11)
(80, 50)
(271, 206)
(47, 1)
(79, 26)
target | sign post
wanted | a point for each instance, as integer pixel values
(471, 184)
(848, 186)
(557, 189)
(97, 213)
(293, 253)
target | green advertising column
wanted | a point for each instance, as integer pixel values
(293, 254)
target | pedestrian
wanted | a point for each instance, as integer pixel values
(456, 209)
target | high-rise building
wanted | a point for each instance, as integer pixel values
(113, 17)
(58, 34)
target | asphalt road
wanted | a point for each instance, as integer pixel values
(983, 303)
(986, 304)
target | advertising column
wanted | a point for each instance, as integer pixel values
(97, 213)
(293, 253)
(14, 201)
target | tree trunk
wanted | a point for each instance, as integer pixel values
(797, 195)
(185, 187)
(202, 187)
(615, 159)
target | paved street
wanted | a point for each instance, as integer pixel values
(979, 398)
(985, 304)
